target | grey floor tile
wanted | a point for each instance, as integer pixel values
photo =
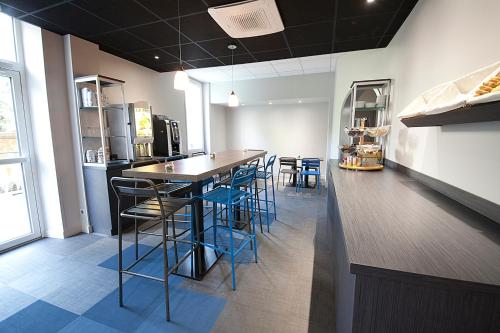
(12, 300)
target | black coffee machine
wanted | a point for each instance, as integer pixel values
(167, 138)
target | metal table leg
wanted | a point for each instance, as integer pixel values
(204, 258)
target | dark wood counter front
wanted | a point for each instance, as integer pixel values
(409, 259)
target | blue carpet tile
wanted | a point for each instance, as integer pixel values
(38, 317)
(144, 309)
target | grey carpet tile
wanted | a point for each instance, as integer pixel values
(290, 289)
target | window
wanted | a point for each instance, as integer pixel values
(194, 116)
(18, 209)
(7, 39)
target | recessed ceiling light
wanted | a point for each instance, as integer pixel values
(300, 101)
(157, 57)
(242, 104)
(370, 1)
(270, 102)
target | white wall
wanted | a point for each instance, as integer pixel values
(284, 129)
(310, 86)
(441, 40)
(44, 164)
(144, 84)
(218, 126)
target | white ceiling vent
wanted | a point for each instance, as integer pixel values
(248, 18)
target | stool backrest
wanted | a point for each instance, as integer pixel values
(311, 162)
(134, 187)
(254, 163)
(244, 177)
(292, 161)
(270, 163)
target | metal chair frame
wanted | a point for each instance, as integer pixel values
(242, 179)
(156, 209)
(266, 173)
(293, 170)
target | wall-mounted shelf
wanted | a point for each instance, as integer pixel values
(469, 114)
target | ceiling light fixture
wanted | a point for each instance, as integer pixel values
(233, 99)
(300, 101)
(370, 1)
(181, 79)
(270, 103)
(157, 57)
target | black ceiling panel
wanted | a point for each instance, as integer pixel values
(213, 3)
(303, 12)
(168, 8)
(201, 27)
(205, 63)
(265, 43)
(362, 7)
(149, 56)
(121, 40)
(355, 45)
(29, 5)
(158, 34)
(273, 55)
(130, 13)
(138, 30)
(363, 27)
(310, 50)
(11, 11)
(189, 52)
(244, 58)
(310, 34)
(75, 20)
(218, 47)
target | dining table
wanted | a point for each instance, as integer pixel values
(195, 170)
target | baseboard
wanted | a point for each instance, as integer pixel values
(484, 207)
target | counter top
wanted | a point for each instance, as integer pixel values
(394, 224)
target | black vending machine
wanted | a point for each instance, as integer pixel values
(167, 139)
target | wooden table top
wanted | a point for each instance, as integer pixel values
(196, 168)
(394, 223)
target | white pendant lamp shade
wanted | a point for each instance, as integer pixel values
(233, 100)
(181, 80)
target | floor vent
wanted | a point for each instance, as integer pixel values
(248, 18)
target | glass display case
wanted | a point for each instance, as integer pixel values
(365, 122)
(102, 119)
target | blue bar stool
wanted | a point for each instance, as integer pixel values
(310, 167)
(232, 197)
(266, 172)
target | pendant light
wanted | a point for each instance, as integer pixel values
(233, 99)
(181, 79)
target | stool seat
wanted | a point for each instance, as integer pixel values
(263, 175)
(221, 195)
(151, 209)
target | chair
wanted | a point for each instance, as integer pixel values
(153, 208)
(167, 189)
(226, 181)
(264, 173)
(232, 197)
(292, 171)
(310, 167)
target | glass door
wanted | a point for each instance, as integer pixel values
(18, 214)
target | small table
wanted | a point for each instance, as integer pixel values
(195, 170)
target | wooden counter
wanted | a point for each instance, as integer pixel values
(409, 259)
